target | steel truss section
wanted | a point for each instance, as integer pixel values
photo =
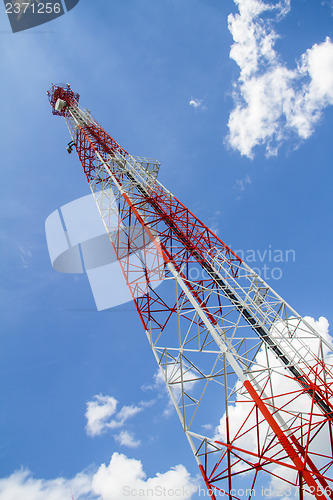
(225, 342)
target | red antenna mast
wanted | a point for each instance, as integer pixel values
(226, 343)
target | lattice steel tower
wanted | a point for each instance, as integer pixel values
(225, 342)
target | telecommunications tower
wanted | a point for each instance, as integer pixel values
(226, 343)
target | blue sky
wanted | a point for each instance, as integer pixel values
(240, 117)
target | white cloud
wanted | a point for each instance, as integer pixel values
(207, 427)
(242, 183)
(273, 102)
(159, 385)
(285, 390)
(328, 3)
(174, 376)
(98, 412)
(102, 408)
(102, 416)
(213, 221)
(125, 438)
(125, 413)
(125, 478)
(26, 255)
(195, 103)
(122, 478)
(22, 486)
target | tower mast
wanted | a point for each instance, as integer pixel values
(224, 340)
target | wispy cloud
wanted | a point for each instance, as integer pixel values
(272, 102)
(126, 438)
(174, 375)
(25, 255)
(102, 416)
(207, 427)
(328, 3)
(123, 415)
(213, 221)
(195, 103)
(242, 183)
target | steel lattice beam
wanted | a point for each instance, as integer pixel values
(217, 330)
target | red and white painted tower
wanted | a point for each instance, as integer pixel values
(224, 340)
